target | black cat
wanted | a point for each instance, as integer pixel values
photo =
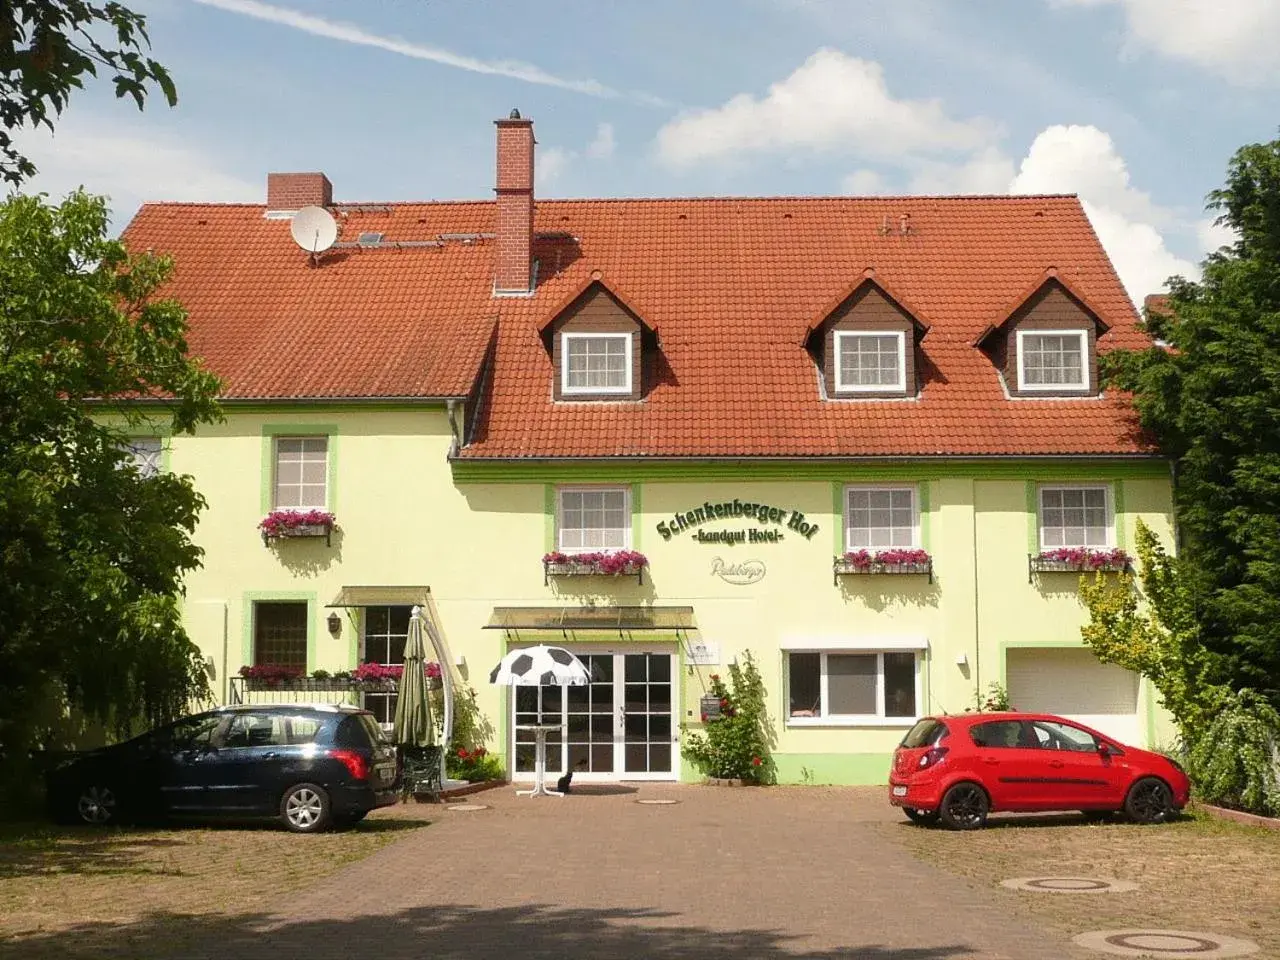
(564, 782)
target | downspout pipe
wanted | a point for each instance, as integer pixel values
(451, 406)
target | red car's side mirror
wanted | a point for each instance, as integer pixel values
(1104, 750)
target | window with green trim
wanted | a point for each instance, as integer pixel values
(301, 480)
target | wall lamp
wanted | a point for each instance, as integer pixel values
(335, 624)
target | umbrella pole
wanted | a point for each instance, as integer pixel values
(446, 684)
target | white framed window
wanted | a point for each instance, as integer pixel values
(853, 688)
(880, 518)
(144, 453)
(301, 473)
(1075, 516)
(595, 363)
(870, 362)
(593, 518)
(1053, 360)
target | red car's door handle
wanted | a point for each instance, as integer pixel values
(991, 760)
(1056, 763)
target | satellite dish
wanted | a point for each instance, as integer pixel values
(314, 229)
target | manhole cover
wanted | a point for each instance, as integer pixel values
(1069, 885)
(1166, 943)
(466, 806)
(657, 803)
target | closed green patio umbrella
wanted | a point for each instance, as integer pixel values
(413, 727)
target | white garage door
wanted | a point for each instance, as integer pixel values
(1071, 682)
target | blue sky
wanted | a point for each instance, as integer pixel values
(1134, 104)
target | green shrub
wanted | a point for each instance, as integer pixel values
(996, 700)
(474, 765)
(736, 743)
(1235, 760)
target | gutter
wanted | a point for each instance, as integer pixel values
(826, 457)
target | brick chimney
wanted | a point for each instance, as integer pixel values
(513, 265)
(289, 192)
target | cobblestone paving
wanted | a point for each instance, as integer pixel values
(726, 872)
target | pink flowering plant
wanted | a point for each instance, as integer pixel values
(278, 523)
(735, 744)
(605, 561)
(1087, 558)
(393, 671)
(866, 559)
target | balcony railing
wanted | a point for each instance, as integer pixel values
(305, 690)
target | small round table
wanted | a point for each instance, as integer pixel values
(540, 731)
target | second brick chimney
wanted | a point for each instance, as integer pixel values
(290, 192)
(513, 265)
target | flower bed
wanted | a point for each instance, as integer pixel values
(280, 524)
(367, 676)
(603, 563)
(883, 561)
(1080, 560)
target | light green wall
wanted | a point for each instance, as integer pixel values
(476, 535)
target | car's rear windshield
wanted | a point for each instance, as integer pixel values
(925, 733)
(358, 730)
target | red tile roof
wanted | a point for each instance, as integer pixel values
(730, 285)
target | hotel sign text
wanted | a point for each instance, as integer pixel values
(769, 523)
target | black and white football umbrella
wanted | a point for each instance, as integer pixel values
(540, 666)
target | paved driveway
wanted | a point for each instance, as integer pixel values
(725, 872)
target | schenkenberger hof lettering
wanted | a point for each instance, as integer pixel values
(762, 513)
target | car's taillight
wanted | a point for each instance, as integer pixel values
(355, 763)
(931, 757)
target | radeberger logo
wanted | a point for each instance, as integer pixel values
(741, 572)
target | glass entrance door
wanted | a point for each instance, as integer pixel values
(618, 727)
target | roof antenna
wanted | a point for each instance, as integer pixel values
(314, 230)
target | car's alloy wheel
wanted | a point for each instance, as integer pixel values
(964, 807)
(96, 805)
(1149, 801)
(305, 808)
(920, 816)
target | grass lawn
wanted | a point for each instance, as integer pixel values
(53, 878)
(1195, 874)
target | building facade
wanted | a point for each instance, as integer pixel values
(861, 438)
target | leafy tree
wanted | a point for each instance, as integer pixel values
(47, 47)
(736, 742)
(92, 553)
(1229, 739)
(1212, 404)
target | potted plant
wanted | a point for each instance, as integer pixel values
(1080, 560)
(896, 560)
(596, 563)
(269, 675)
(280, 524)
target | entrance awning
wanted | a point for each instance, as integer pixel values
(564, 619)
(383, 596)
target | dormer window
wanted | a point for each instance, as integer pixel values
(871, 361)
(599, 346)
(594, 363)
(1053, 360)
(866, 342)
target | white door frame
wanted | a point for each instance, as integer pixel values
(619, 651)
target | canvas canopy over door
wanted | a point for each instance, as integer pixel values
(621, 726)
(1072, 683)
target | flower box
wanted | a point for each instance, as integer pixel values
(283, 524)
(1077, 560)
(628, 563)
(883, 561)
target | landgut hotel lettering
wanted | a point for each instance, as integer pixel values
(762, 513)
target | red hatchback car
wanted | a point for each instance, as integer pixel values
(957, 769)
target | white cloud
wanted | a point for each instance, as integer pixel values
(831, 103)
(1083, 160)
(1235, 39)
(350, 33)
(603, 146)
(129, 166)
(988, 171)
(862, 182)
(1212, 235)
(551, 164)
